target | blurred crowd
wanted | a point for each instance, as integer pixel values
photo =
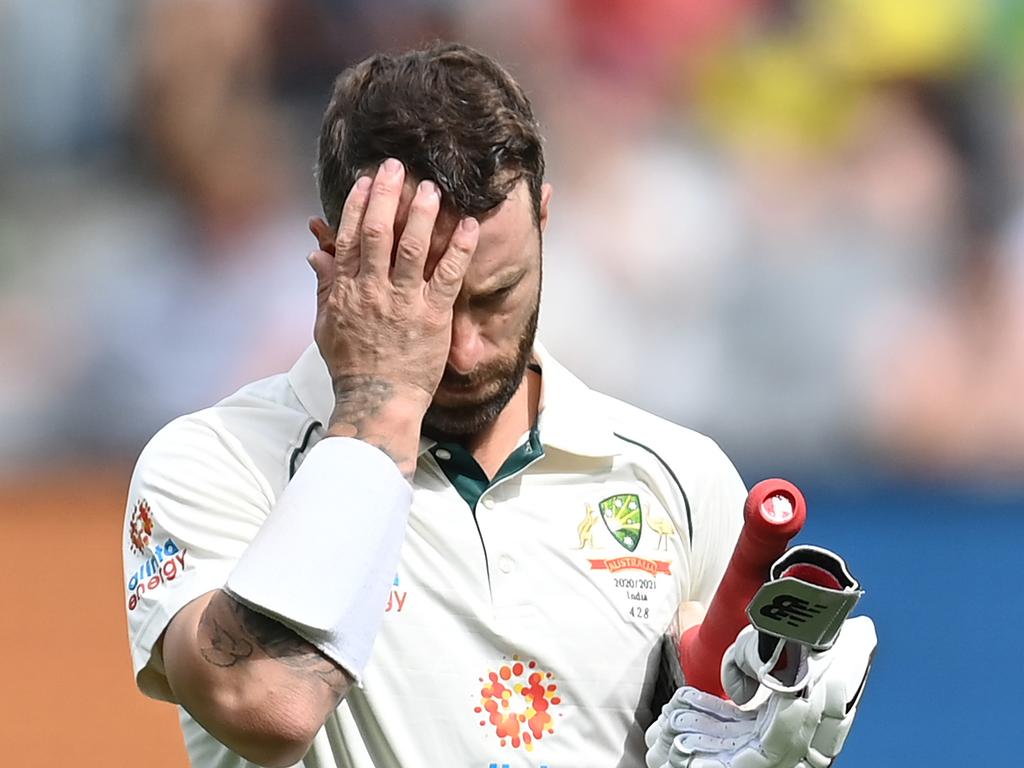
(796, 226)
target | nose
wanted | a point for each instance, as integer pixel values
(467, 345)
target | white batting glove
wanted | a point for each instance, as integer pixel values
(802, 724)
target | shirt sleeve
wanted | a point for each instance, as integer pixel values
(194, 504)
(717, 520)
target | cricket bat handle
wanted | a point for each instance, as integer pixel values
(774, 513)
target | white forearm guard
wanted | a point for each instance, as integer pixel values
(327, 554)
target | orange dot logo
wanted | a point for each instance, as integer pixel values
(140, 527)
(517, 701)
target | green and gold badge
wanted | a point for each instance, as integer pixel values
(623, 517)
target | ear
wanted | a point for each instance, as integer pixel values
(323, 233)
(545, 198)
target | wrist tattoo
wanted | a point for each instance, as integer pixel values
(358, 399)
(232, 634)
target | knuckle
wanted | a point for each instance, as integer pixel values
(385, 185)
(422, 206)
(404, 303)
(376, 231)
(410, 250)
(439, 321)
(465, 242)
(449, 271)
(346, 237)
(333, 306)
(461, 252)
(367, 292)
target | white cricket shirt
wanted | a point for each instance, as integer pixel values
(525, 620)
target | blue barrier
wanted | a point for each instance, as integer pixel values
(940, 566)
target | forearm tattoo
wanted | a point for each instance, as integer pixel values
(358, 400)
(230, 634)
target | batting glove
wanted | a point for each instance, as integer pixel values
(806, 708)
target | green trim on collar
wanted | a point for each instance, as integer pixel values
(469, 479)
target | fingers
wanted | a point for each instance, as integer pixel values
(712, 706)
(690, 614)
(378, 230)
(414, 245)
(321, 230)
(346, 244)
(366, 236)
(446, 281)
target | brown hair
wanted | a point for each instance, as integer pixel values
(448, 112)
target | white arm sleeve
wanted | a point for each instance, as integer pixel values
(324, 560)
(319, 558)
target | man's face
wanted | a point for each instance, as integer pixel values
(495, 316)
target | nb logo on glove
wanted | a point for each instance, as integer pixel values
(810, 595)
(791, 609)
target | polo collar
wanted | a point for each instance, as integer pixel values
(570, 420)
(311, 382)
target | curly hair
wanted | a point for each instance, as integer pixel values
(450, 113)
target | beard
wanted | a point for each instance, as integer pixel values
(496, 382)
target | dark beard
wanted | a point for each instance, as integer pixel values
(455, 422)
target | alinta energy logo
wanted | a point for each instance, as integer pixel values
(140, 527)
(517, 701)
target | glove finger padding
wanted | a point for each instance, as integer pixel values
(777, 737)
(653, 733)
(709, 734)
(694, 712)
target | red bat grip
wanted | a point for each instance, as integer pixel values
(773, 514)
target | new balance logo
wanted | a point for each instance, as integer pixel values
(791, 609)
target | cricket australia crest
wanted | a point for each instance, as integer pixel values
(623, 517)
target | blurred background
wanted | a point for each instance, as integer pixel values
(797, 226)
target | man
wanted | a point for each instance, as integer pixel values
(427, 544)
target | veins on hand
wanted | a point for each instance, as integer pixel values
(234, 633)
(358, 399)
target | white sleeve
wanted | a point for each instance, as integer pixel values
(717, 510)
(194, 504)
(343, 485)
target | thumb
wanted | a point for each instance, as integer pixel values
(322, 264)
(740, 666)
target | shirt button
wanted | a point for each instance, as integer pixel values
(488, 502)
(443, 454)
(506, 564)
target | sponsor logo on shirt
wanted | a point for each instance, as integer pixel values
(166, 565)
(140, 527)
(396, 597)
(517, 701)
